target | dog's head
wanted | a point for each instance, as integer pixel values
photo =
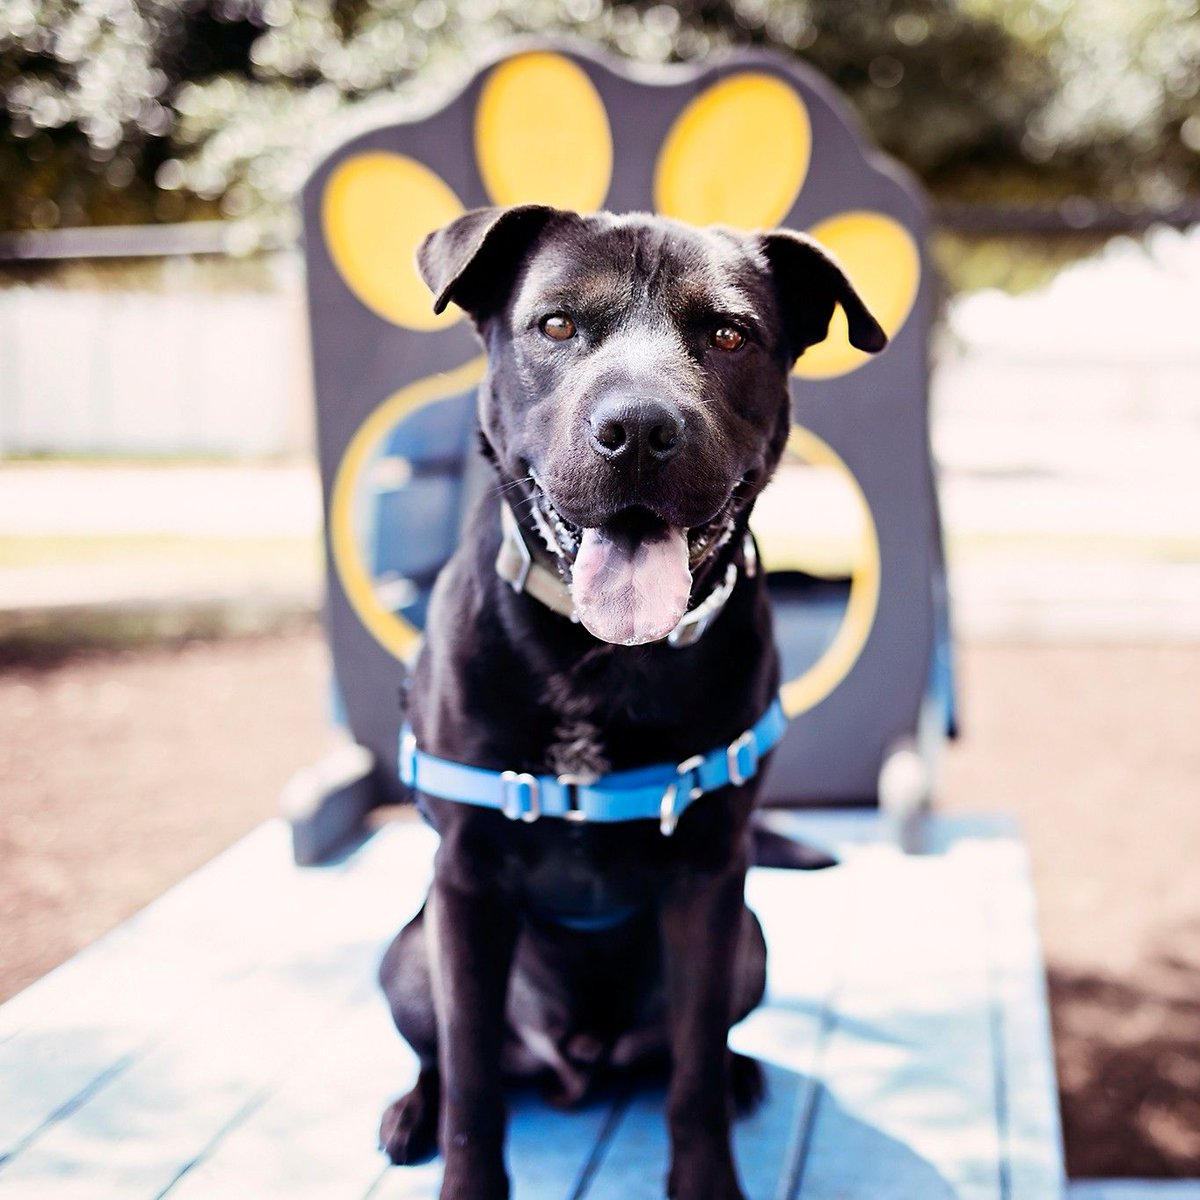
(637, 384)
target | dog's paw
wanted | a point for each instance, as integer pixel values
(747, 1084)
(408, 1131)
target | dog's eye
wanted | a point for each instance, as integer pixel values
(726, 337)
(558, 326)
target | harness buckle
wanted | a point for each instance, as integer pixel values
(668, 817)
(686, 768)
(514, 785)
(748, 745)
(571, 783)
(408, 758)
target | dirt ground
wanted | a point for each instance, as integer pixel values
(121, 772)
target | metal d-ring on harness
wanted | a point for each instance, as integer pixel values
(662, 791)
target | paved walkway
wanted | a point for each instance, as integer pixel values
(137, 551)
(1074, 541)
(1095, 538)
(1067, 424)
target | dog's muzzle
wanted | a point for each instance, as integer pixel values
(516, 565)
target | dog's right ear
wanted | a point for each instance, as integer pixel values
(473, 260)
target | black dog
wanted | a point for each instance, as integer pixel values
(635, 405)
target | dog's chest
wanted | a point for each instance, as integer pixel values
(577, 749)
(588, 701)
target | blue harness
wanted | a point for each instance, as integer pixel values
(661, 792)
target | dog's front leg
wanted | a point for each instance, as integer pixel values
(474, 930)
(701, 918)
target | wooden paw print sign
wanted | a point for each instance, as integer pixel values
(848, 530)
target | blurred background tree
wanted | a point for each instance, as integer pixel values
(152, 110)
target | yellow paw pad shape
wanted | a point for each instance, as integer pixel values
(377, 209)
(737, 155)
(542, 135)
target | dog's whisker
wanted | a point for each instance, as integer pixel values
(510, 484)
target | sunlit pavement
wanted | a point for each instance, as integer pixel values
(1067, 426)
(1091, 534)
(1065, 529)
(240, 544)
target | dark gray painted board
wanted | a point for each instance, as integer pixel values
(875, 418)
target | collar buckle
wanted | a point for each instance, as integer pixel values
(521, 796)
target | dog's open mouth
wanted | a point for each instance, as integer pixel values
(630, 578)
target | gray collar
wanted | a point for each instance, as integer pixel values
(518, 568)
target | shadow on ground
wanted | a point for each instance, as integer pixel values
(1128, 1055)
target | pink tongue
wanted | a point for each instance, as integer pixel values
(631, 590)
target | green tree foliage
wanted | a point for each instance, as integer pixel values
(137, 110)
(87, 102)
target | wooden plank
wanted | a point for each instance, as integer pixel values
(844, 831)
(766, 1142)
(837, 831)
(633, 1164)
(313, 1132)
(550, 1152)
(907, 1106)
(408, 1183)
(231, 1041)
(1028, 1113)
(314, 1135)
(806, 919)
(67, 1034)
(185, 909)
(803, 918)
(136, 1135)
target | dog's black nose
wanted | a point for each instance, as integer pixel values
(648, 430)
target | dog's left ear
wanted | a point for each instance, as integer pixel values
(473, 261)
(809, 282)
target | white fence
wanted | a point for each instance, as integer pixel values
(165, 367)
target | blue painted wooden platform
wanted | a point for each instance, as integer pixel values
(230, 1041)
